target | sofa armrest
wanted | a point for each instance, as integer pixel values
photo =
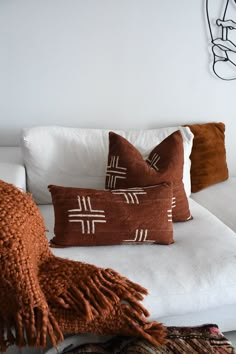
(13, 173)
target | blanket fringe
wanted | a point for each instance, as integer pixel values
(94, 295)
(154, 332)
(99, 294)
(29, 328)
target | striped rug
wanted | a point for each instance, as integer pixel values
(181, 340)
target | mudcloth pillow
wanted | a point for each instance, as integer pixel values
(126, 168)
(208, 156)
(90, 217)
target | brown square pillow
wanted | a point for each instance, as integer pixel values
(90, 217)
(208, 156)
(126, 168)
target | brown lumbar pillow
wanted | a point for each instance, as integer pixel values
(208, 156)
(89, 217)
(126, 168)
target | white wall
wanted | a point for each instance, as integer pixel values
(108, 63)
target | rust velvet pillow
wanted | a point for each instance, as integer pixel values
(90, 217)
(126, 168)
(208, 156)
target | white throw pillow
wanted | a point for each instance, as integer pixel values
(77, 157)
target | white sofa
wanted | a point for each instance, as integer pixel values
(190, 282)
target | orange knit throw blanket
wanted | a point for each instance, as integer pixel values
(46, 296)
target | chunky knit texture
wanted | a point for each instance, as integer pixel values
(46, 296)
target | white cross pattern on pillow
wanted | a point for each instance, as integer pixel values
(86, 215)
(153, 161)
(114, 171)
(130, 195)
(140, 236)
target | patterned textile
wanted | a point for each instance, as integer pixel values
(181, 340)
(126, 168)
(91, 217)
(46, 295)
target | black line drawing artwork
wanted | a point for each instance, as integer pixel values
(221, 18)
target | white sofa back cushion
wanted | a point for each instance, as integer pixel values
(78, 157)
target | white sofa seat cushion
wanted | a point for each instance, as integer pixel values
(196, 273)
(220, 199)
(76, 157)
